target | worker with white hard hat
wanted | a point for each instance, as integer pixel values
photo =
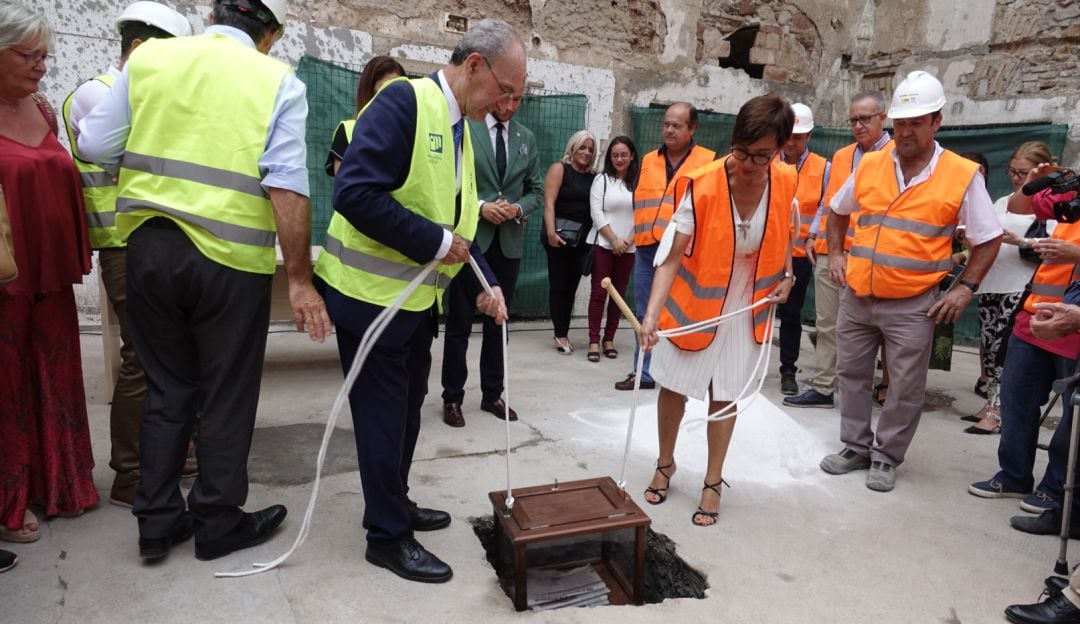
(910, 199)
(208, 136)
(866, 117)
(813, 178)
(139, 22)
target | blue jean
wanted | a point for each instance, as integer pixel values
(1025, 386)
(643, 277)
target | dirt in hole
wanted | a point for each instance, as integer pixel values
(666, 574)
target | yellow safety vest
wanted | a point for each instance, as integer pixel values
(201, 110)
(366, 270)
(99, 186)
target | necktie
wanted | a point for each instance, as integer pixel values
(500, 151)
(459, 133)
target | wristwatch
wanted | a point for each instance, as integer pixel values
(972, 286)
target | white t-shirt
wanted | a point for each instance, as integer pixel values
(1010, 273)
(613, 207)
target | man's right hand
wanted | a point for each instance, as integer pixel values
(459, 251)
(810, 255)
(837, 267)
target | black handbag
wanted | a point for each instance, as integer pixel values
(1037, 229)
(572, 232)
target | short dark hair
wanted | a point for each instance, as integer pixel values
(130, 31)
(763, 116)
(635, 163)
(375, 70)
(243, 19)
(977, 157)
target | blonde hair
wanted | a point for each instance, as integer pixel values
(574, 144)
(1035, 151)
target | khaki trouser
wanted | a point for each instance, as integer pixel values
(865, 322)
(1072, 592)
(127, 404)
(826, 305)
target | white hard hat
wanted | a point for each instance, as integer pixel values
(157, 15)
(277, 7)
(919, 94)
(804, 118)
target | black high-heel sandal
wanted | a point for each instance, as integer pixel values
(660, 493)
(711, 515)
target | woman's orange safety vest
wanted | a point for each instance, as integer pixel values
(1050, 281)
(903, 241)
(653, 201)
(811, 187)
(701, 285)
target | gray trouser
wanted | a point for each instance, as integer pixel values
(864, 323)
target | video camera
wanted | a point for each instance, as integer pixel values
(1061, 181)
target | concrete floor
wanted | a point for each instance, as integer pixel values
(792, 545)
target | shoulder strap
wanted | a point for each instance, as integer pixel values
(47, 112)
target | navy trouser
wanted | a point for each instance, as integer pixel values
(790, 315)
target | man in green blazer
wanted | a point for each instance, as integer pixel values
(510, 187)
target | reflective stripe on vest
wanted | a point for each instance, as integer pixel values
(809, 192)
(700, 287)
(653, 190)
(201, 110)
(1052, 279)
(842, 168)
(99, 186)
(364, 269)
(903, 241)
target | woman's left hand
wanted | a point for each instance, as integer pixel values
(782, 290)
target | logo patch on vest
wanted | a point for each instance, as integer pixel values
(435, 143)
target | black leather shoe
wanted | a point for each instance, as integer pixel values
(452, 415)
(498, 407)
(408, 559)
(788, 385)
(1046, 523)
(424, 519)
(158, 547)
(253, 529)
(1056, 609)
(1054, 584)
(810, 398)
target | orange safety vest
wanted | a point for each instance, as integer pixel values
(903, 241)
(653, 201)
(843, 165)
(701, 285)
(1050, 281)
(811, 188)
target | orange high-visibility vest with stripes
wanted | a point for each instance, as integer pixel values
(843, 165)
(903, 241)
(653, 202)
(1052, 279)
(701, 285)
(811, 187)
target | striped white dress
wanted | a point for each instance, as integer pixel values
(729, 361)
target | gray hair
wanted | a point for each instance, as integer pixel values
(574, 144)
(20, 24)
(871, 95)
(491, 38)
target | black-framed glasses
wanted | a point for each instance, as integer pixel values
(1016, 173)
(862, 119)
(758, 159)
(508, 92)
(33, 58)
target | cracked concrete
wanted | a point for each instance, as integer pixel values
(792, 544)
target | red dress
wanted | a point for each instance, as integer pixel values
(45, 453)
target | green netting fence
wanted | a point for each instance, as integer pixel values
(553, 117)
(995, 142)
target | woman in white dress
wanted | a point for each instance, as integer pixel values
(730, 245)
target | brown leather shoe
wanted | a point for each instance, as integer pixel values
(123, 496)
(452, 415)
(498, 407)
(628, 383)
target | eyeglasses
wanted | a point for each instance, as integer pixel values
(1017, 173)
(862, 119)
(758, 159)
(508, 92)
(33, 58)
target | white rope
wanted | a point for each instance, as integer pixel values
(367, 343)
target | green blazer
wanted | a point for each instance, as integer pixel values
(523, 183)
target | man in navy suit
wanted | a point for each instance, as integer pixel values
(510, 188)
(404, 200)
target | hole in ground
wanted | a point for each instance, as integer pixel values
(666, 574)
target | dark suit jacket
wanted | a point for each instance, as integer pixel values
(523, 183)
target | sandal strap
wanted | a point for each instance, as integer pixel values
(714, 486)
(661, 469)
